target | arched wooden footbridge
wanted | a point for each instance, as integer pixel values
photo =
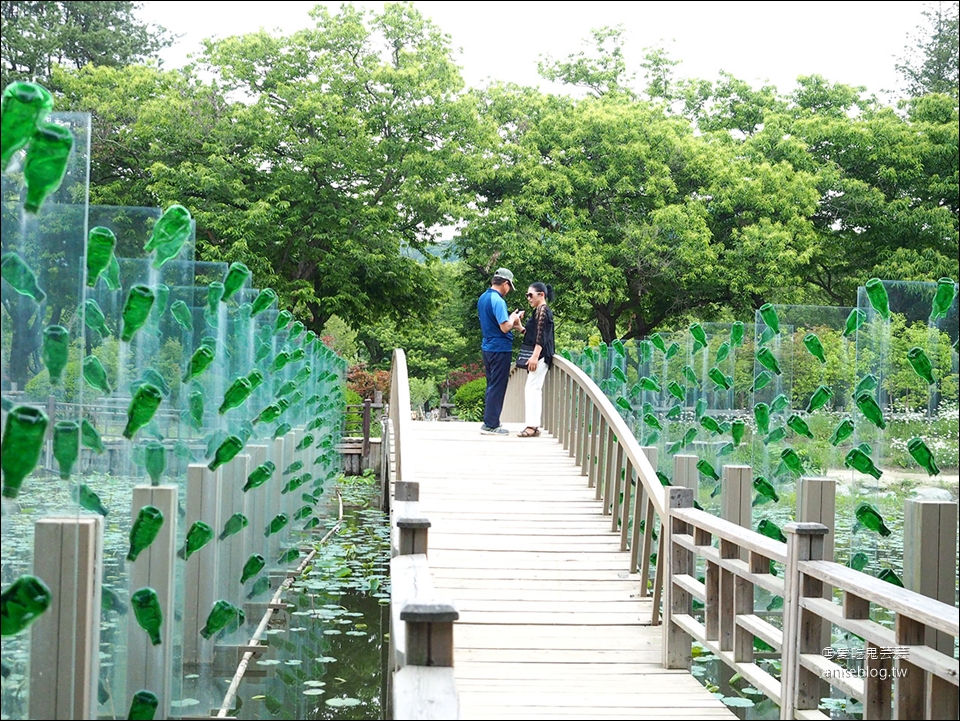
(518, 591)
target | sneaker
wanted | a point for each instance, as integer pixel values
(498, 431)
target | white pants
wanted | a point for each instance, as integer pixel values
(533, 395)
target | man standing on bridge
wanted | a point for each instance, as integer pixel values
(497, 347)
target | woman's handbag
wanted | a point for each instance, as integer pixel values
(525, 355)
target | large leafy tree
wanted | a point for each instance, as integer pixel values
(931, 62)
(40, 35)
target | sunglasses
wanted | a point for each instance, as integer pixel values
(530, 295)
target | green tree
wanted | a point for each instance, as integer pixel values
(931, 59)
(38, 36)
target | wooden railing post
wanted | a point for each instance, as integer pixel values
(413, 535)
(365, 450)
(429, 633)
(929, 567)
(676, 642)
(802, 630)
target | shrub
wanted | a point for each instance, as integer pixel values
(464, 374)
(469, 399)
(364, 382)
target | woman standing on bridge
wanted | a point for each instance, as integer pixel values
(536, 355)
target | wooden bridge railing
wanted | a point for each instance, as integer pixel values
(422, 685)
(901, 677)
(578, 413)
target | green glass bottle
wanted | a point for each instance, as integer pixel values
(155, 459)
(690, 376)
(142, 406)
(711, 424)
(672, 350)
(658, 343)
(256, 379)
(276, 525)
(617, 374)
(723, 382)
(170, 233)
(200, 360)
(305, 442)
(765, 491)
(737, 428)
(100, 245)
(859, 460)
(725, 450)
(222, 613)
(146, 608)
(699, 336)
(706, 469)
(237, 275)
(871, 410)
(779, 403)
(676, 390)
(761, 416)
(842, 432)
(96, 375)
(261, 474)
(23, 436)
(22, 604)
(650, 384)
(770, 318)
(868, 383)
(923, 455)
(161, 295)
(700, 408)
(282, 430)
(136, 310)
(651, 420)
(644, 351)
(293, 468)
(943, 299)
(723, 351)
(869, 517)
(214, 295)
(284, 318)
(269, 414)
(199, 535)
(111, 276)
(66, 446)
(252, 567)
(236, 394)
(226, 451)
(921, 365)
(676, 410)
(289, 556)
(46, 164)
(281, 361)
(90, 438)
(877, 295)
(812, 343)
(236, 523)
(618, 348)
(856, 319)
(312, 523)
(263, 351)
(195, 406)
(55, 351)
(21, 277)
(286, 389)
(792, 461)
(762, 380)
(799, 426)
(144, 530)
(152, 376)
(769, 361)
(89, 500)
(859, 561)
(890, 577)
(623, 404)
(265, 298)
(24, 107)
(94, 319)
(771, 530)
(736, 333)
(182, 315)
(143, 707)
(296, 329)
(260, 587)
(819, 399)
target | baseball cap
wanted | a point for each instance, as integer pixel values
(504, 273)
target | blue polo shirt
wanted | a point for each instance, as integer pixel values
(492, 309)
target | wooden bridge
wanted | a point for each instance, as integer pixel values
(518, 590)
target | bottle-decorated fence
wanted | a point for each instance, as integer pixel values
(167, 434)
(840, 416)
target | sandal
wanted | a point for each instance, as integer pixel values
(529, 432)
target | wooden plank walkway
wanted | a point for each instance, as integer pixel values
(551, 624)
